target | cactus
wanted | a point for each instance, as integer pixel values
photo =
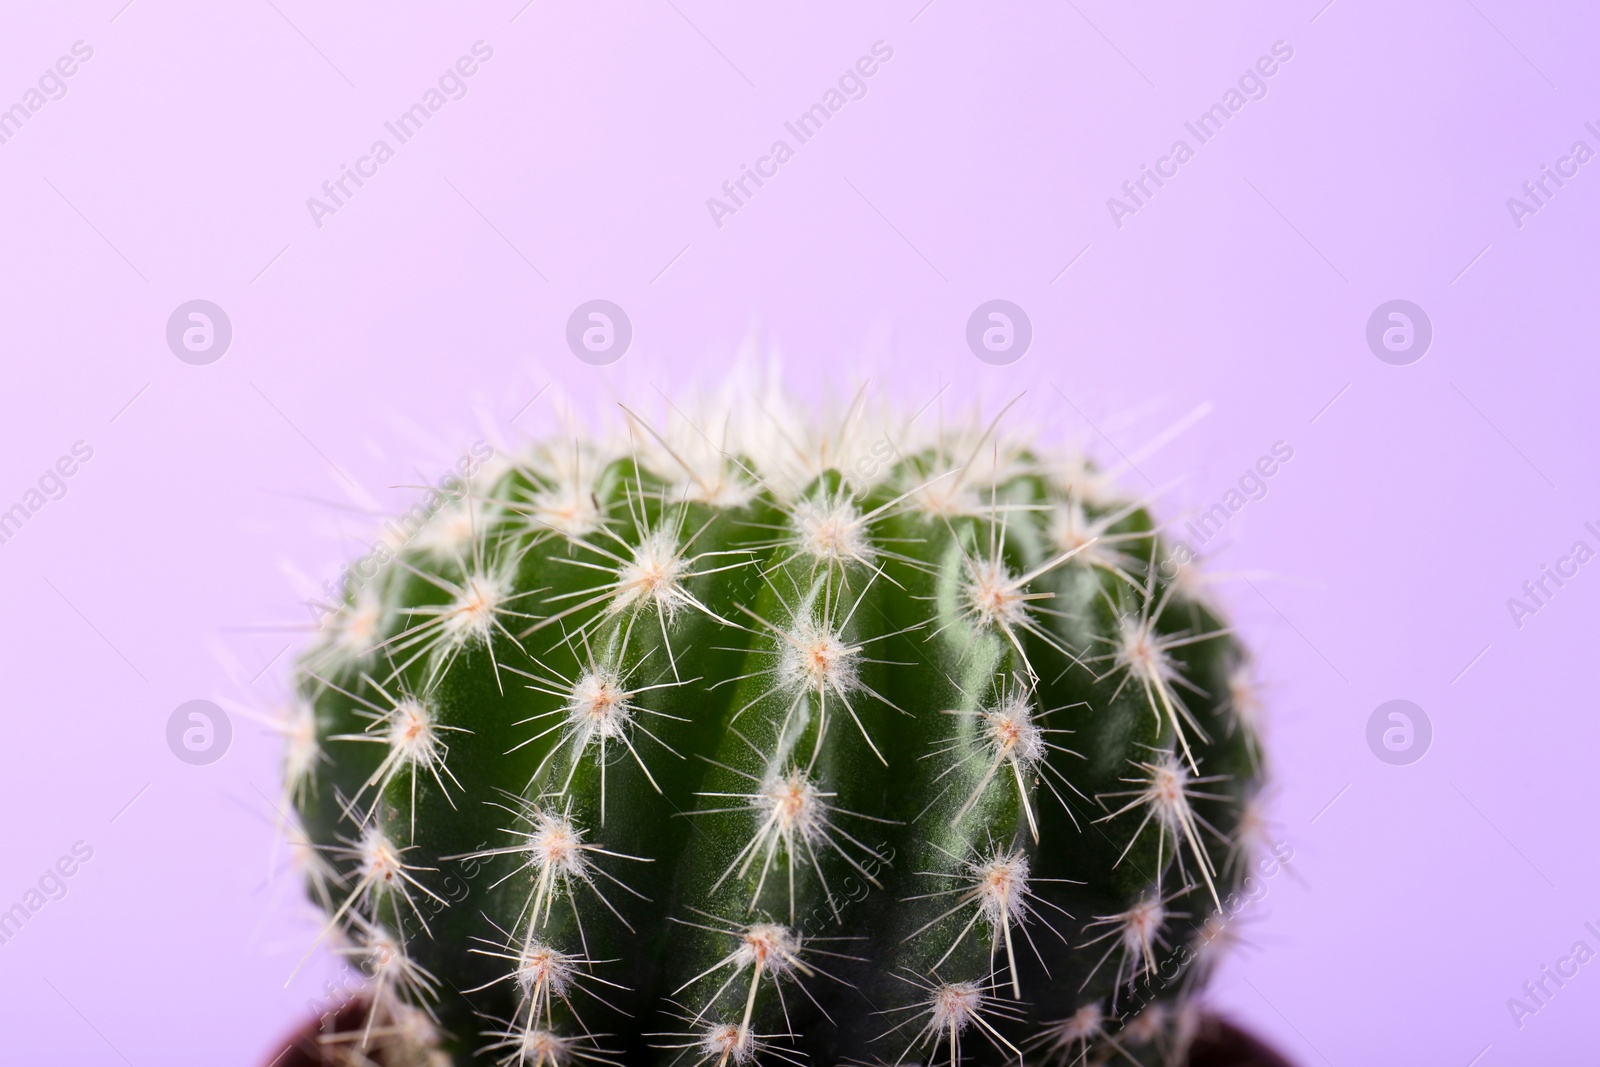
(778, 749)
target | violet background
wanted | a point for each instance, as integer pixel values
(978, 165)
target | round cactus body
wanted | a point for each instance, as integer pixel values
(668, 753)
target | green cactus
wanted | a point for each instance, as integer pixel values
(783, 750)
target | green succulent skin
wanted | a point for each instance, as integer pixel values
(809, 786)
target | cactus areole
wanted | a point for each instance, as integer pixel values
(660, 752)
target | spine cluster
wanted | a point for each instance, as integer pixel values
(681, 753)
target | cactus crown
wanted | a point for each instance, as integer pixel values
(719, 749)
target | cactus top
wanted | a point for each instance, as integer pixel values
(675, 754)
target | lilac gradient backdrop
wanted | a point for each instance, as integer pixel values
(978, 165)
